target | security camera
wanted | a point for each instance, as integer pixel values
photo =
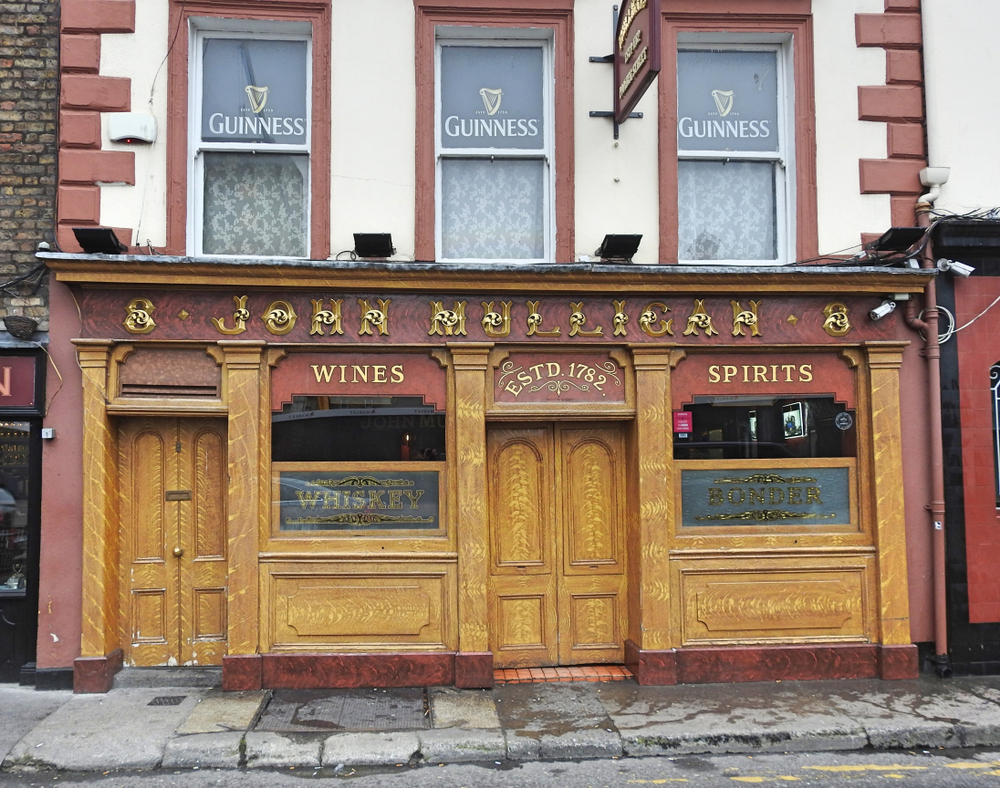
(882, 310)
(957, 268)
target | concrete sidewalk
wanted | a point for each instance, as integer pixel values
(187, 727)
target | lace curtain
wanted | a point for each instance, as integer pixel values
(255, 204)
(493, 209)
(726, 210)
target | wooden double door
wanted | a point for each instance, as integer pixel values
(172, 510)
(557, 515)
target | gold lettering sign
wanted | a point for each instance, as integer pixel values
(279, 318)
(356, 374)
(576, 321)
(535, 321)
(496, 324)
(240, 317)
(745, 318)
(837, 323)
(760, 373)
(374, 317)
(139, 316)
(326, 317)
(648, 320)
(447, 322)
(699, 318)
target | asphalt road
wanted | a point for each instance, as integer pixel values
(937, 769)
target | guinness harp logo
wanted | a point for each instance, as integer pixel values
(723, 100)
(491, 99)
(258, 97)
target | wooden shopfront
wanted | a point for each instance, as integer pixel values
(408, 474)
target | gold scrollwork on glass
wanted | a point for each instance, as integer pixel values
(745, 318)
(837, 323)
(652, 324)
(447, 322)
(699, 319)
(379, 318)
(326, 317)
(279, 318)
(621, 319)
(496, 324)
(240, 317)
(578, 319)
(139, 316)
(535, 322)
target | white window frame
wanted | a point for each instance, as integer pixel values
(200, 29)
(447, 35)
(784, 157)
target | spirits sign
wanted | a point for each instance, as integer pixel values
(637, 53)
(363, 501)
(765, 496)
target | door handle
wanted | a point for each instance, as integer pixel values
(178, 552)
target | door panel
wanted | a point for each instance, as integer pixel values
(557, 585)
(173, 483)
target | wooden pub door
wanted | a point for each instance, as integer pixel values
(557, 585)
(173, 487)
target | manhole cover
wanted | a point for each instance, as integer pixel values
(167, 700)
(345, 710)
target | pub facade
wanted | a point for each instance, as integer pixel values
(483, 444)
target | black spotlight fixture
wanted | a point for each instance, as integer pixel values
(619, 248)
(99, 240)
(369, 245)
(897, 239)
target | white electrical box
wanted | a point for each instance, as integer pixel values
(131, 127)
(48, 433)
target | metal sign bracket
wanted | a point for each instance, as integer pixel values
(610, 59)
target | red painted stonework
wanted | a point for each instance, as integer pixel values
(98, 16)
(80, 204)
(96, 674)
(651, 667)
(887, 30)
(332, 671)
(474, 670)
(902, 5)
(903, 65)
(906, 140)
(895, 176)
(890, 102)
(241, 672)
(898, 662)
(97, 166)
(776, 663)
(903, 210)
(80, 52)
(89, 91)
(80, 130)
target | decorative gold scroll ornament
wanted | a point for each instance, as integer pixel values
(447, 322)
(279, 318)
(576, 321)
(621, 319)
(535, 321)
(745, 318)
(374, 317)
(139, 316)
(326, 317)
(652, 324)
(699, 318)
(496, 324)
(837, 323)
(240, 318)
(767, 515)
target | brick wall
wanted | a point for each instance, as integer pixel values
(29, 36)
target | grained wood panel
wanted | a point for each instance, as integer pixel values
(523, 623)
(145, 491)
(209, 486)
(760, 600)
(149, 614)
(210, 615)
(520, 499)
(359, 606)
(592, 469)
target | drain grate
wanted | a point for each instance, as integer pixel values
(346, 710)
(167, 700)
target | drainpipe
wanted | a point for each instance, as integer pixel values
(934, 177)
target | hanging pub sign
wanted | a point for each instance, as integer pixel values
(727, 100)
(492, 97)
(636, 54)
(254, 90)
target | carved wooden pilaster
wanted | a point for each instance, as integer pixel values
(650, 488)
(100, 630)
(244, 368)
(470, 364)
(884, 361)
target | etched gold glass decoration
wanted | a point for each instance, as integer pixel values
(139, 316)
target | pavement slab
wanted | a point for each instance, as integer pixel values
(371, 749)
(118, 730)
(204, 751)
(452, 708)
(219, 711)
(457, 745)
(268, 749)
(23, 708)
